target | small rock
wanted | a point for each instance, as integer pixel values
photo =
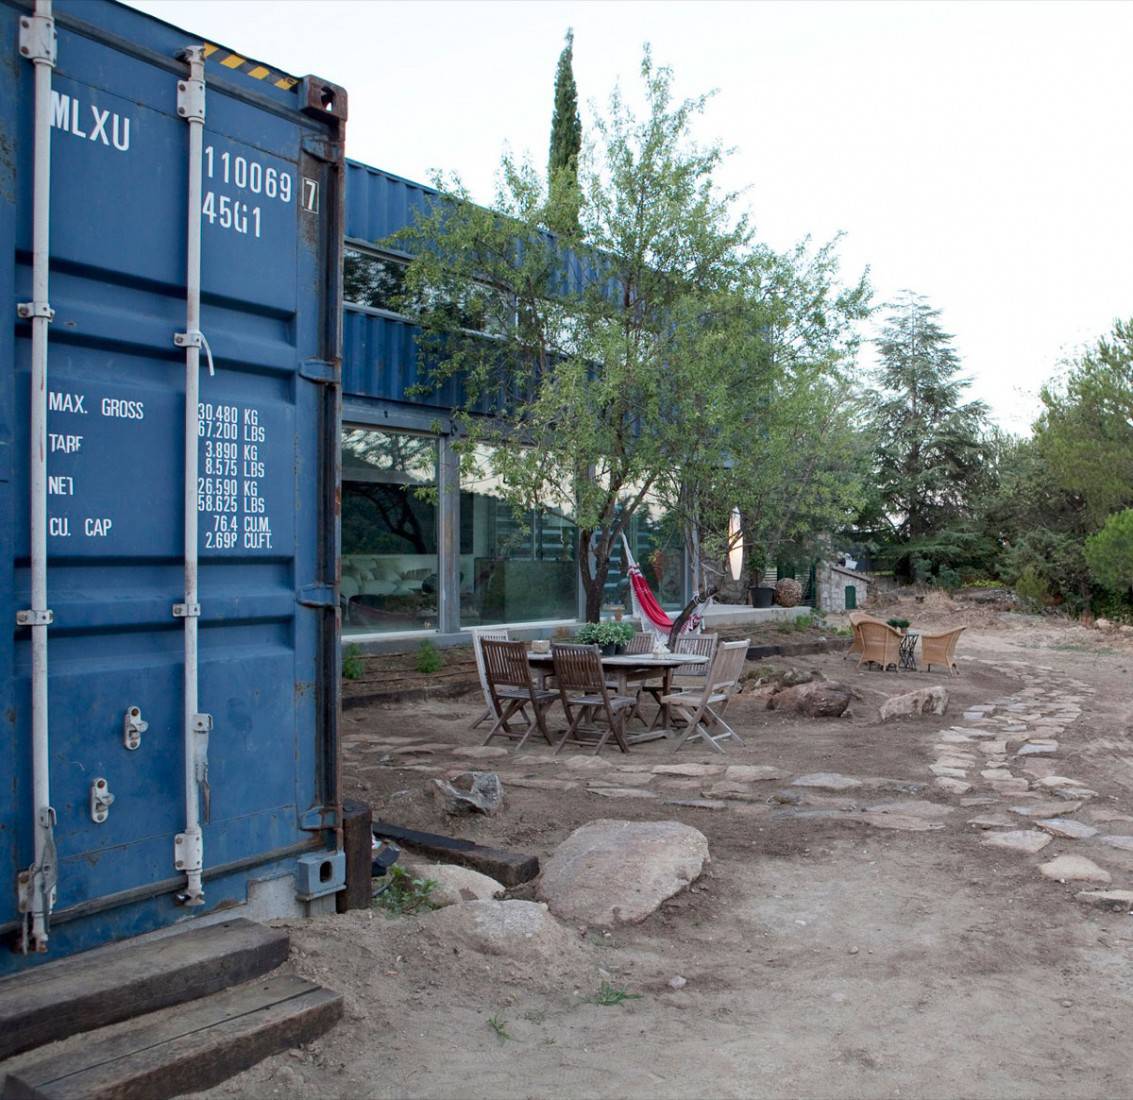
(854, 950)
(1018, 840)
(469, 792)
(822, 699)
(787, 798)
(1118, 900)
(1068, 828)
(1075, 869)
(678, 982)
(827, 781)
(933, 700)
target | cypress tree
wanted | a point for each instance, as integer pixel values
(566, 142)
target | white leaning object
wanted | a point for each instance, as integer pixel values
(496, 634)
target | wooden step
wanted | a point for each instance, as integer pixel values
(194, 1048)
(130, 979)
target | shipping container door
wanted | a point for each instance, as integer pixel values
(116, 471)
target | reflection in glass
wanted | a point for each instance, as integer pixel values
(389, 531)
(514, 567)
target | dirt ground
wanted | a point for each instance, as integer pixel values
(825, 953)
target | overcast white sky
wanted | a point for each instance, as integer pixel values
(977, 153)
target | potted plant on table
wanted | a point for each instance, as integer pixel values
(610, 637)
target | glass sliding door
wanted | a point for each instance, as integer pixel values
(390, 574)
(515, 566)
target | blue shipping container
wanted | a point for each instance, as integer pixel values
(266, 483)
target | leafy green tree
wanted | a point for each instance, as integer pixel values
(1109, 553)
(603, 369)
(566, 146)
(1085, 433)
(930, 449)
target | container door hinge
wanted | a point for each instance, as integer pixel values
(133, 726)
(38, 880)
(186, 610)
(28, 310)
(100, 800)
(35, 618)
(37, 38)
(319, 817)
(318, 595)
(319, 370)
(191, 92)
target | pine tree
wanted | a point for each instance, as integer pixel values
(930, 440)
(566, 143)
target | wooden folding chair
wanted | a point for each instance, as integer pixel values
(688, 677)
(640, 643)
(512, 689)
(702, 710)
(585, 696)
(478, 638)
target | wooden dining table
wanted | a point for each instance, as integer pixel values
(625, 669)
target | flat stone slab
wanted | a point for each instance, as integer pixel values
(753, 773)
(1068, 828)
(1072, 794)
(1037, 748)
(996, 773)
(621, 792)
(481, 752)
(1101, 814)
(827, 781)
(953, 786)
(914, 807)
(1043, 809)
(623, 779)
(619, 872)
(950, 773)
(992, 821)
(689, 770)
(725, 789)
(1120, 901)
(697, 803)
(1075, 869)
(542, 784)
(1040, 768)
(904, 822)
(1125, 843)
(587, 763)
(1018, 840)
(1058, 781)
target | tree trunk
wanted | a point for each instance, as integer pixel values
(593, 584)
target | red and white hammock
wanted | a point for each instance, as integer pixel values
(645, 606)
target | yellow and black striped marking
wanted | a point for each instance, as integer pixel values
(249, 68)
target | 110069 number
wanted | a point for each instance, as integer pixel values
(248, 175)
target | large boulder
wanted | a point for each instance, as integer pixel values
(453, 884)
(933, 700)
(522, 931)
(819, 699)
(618, 872)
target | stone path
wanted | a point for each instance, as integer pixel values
(1004, 758)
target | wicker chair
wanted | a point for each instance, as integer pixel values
(939, 649)
(512, 690)
(585, 696)
(856, 618)
(881, 644)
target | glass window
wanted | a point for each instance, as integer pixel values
(514, 566)
(389, 531)
(369, 280)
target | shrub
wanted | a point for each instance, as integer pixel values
(352, 664)
(1109, 553)
(947, 578)
(604, 634)
(429, 659)
(1032, 589)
